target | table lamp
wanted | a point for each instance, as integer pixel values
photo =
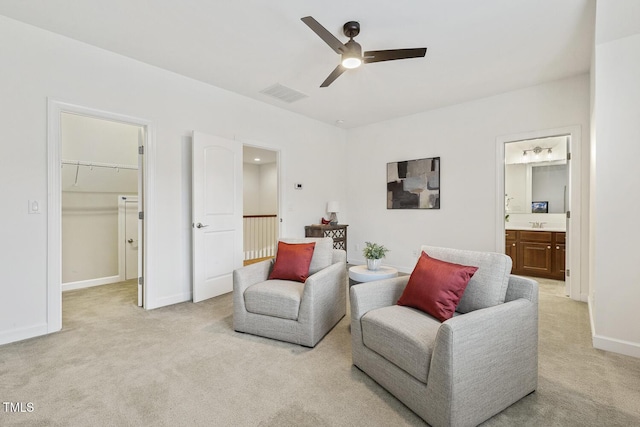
(332, 208)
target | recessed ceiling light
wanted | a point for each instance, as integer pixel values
(257, 159)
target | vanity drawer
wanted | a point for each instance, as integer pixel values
(560, 237)
(511, 235)
(536, 236)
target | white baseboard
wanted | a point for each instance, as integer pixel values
(90, 283)
(617, 346)
(614, 345)
(23, 333)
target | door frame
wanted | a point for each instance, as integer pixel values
(574, 225)
(55, 108)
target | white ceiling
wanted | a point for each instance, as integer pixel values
(250, 154)
(475, 48)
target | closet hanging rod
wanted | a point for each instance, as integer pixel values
(98, 165)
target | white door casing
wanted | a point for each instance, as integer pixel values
(54, 211)
(217, 214)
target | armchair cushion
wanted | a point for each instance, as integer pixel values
(322, 253)
(292, 261)
(276, 298)
(436, 286)
(488, 286)
(404, 336)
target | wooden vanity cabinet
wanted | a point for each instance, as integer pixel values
(511, 247)
(537, 253)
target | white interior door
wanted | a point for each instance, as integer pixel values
(217, 214)
(131, 239)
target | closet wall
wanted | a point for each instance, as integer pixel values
(90, 196)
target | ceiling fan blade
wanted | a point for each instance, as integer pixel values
(324, 34)
(334, 75)
(393, 54)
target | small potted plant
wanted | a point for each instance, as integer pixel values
(374, 253)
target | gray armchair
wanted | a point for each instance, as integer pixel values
(300, 313)
(462, 371)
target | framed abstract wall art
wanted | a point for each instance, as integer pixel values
(414, 184)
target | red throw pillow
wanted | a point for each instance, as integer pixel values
(292, 261)
(436, 286)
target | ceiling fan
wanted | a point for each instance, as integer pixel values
(351, 51)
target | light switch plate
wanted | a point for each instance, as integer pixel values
(34, 207)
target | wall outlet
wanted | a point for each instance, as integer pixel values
(297, 186)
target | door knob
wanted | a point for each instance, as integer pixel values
(130, 240)
(201, 225)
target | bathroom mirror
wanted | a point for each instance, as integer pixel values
(536, 177)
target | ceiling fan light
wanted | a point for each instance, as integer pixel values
(351, 62)
(352, 55)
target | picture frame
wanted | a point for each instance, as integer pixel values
(414, 184)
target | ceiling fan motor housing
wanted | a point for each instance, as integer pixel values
(353, 49)
(351, 29)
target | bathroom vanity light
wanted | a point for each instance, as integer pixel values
(537, 151)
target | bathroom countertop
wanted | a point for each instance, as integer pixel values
(529, 228)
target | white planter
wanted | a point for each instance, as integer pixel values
(373, 264)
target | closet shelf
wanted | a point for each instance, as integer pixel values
(98, 164)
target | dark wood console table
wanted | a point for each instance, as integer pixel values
(337, 232)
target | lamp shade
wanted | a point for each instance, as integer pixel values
(333, 206)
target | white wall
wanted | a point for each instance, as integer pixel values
(615, 295)
(251, 189)
(464, 136)
(260, 187)
(38, 64)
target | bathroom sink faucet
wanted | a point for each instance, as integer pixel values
(536, 224)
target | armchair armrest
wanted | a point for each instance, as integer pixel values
(377, 294)
(249, 275)
(324, 301)
(487, 359)
(521, 287)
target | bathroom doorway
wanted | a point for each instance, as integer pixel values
(538, 220)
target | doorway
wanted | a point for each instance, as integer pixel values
(99, 164)
(538, 196)
(260, 203)
(95, 174)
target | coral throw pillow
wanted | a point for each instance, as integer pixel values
(292, 261)
(436, 286)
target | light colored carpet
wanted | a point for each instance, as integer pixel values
(116, 364)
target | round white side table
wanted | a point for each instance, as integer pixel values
(360, 273)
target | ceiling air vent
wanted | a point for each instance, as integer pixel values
(283, 93)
